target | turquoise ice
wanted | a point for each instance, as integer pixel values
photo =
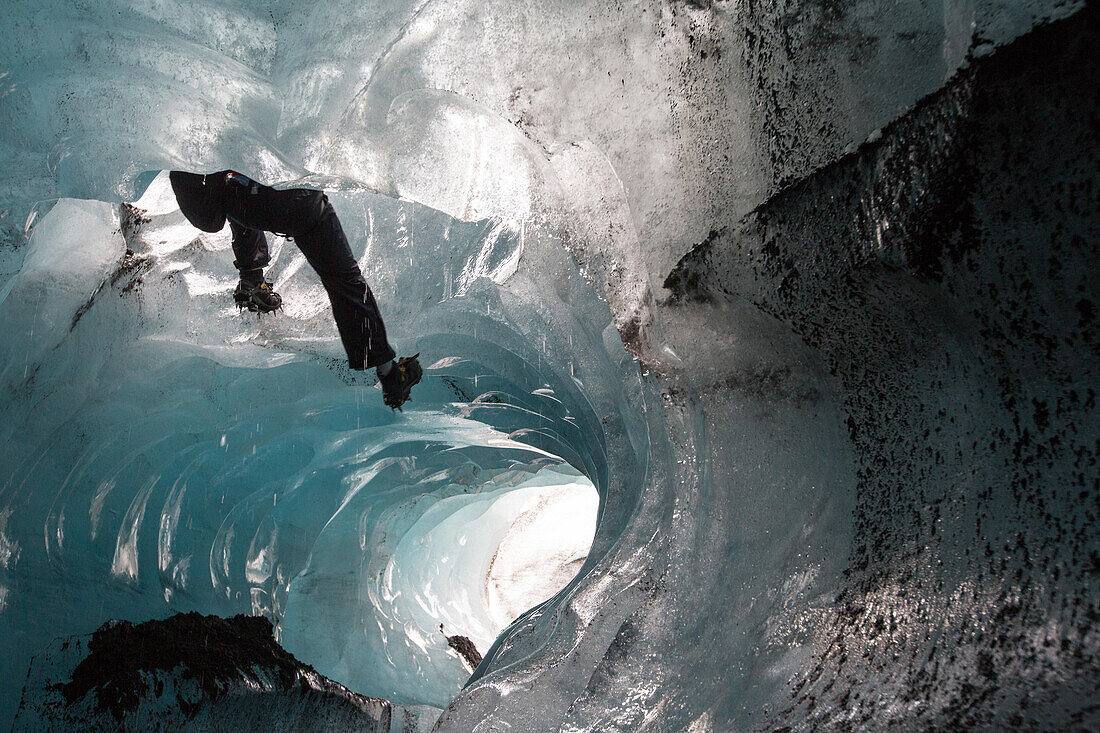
(765, 501)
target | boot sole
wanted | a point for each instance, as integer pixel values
(254, 307)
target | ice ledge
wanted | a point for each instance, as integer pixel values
(195, 672)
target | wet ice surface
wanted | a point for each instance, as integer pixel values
(767, 540)
(444, 562)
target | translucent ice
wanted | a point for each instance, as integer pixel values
(204, 459)
(517, 181)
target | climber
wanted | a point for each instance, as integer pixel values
(306, 216)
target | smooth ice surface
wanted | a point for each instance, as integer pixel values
(228, 463)
(518, 179)
(469, 562)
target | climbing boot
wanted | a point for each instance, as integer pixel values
(397, 385)
(257, 297)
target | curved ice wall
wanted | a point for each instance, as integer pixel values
(193, 458)
(851, 480)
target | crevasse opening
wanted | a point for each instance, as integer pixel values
(226, 462)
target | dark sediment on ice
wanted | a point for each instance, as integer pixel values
(188, 671)
(211, 650)
(464, 647)
(946, 273)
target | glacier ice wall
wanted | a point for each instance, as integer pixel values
(946, 275)
(203, 460)
(851, 480)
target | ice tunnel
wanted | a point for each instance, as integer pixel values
(760, 352)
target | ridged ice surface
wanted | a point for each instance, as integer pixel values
(230, 463)
(848, 482)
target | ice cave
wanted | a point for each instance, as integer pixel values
(760, 352)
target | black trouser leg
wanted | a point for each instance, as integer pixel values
(250, 250)
(353, 306)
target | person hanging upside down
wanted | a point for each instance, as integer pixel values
(308, 218)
